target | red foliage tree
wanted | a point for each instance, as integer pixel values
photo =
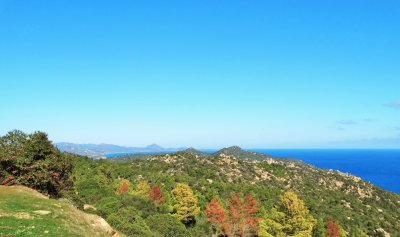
(123, 187)
(156, 194)
(242, 213)
(249, 211)
(235, 226)
(332, 229)
(216, 216)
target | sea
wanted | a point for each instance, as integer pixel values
(378, 166)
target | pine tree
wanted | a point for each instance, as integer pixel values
(216, 216)
(332, 229)
(235, 226)
(156, 195)
(184, 203)
(290, 217)
(319, 229)
(249, 211)
(242, 216)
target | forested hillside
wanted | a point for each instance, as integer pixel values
(191, 194)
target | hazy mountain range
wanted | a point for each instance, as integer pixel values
(101, 150)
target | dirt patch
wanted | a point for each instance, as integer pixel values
(18, 215)
(42, 212)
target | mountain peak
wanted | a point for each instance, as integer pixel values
(236, 151)
(234, 148)
(154, 146)
(196, 152)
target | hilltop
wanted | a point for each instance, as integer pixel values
(239, 153)
(234, 151)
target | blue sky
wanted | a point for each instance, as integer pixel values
(208, 74)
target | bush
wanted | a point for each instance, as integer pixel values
(166, 225)
(107, 206)
(146, 206)
(128, 221)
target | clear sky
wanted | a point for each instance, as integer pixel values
(208, 74)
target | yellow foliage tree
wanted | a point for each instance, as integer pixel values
(142, 188)
(290, 217)
(184, 203)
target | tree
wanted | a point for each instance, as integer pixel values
(332, 229)
(242, 216)
(142, 188)
(235, 226)
(290, 217)
(156, 195)
(124, 186)
(184, 203)
(33, 161)
(216, 216)
(250, 210)
(319, 229)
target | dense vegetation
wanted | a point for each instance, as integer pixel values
(224, 194)
(33, 161)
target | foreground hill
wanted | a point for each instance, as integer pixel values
(25, 212)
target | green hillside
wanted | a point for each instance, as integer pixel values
(25, 212)
(357, 206)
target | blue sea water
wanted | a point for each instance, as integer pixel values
(380, 167)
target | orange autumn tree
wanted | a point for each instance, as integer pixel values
(249, 212)
(332, 229)
(242, 216)
(216, 216)
(123, 186)
(156, 195)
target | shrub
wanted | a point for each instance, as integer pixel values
(128, 221)
(166, 225)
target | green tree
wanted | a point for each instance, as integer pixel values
(184, 203)
(356, 232)
(289, 217)
(319, 229)
(33, 161)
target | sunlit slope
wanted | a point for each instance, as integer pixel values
(25, 212)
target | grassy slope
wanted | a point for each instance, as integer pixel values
(25, 212)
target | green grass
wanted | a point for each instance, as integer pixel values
(19, 216)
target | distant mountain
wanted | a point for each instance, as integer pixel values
(101, 150)
(237, 152)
